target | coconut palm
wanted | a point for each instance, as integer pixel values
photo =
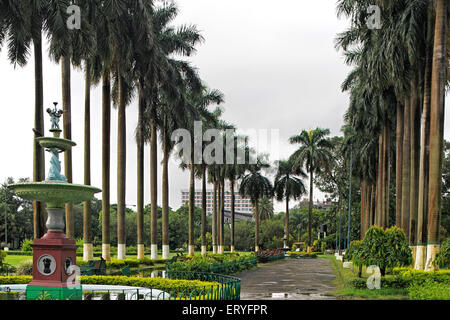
(288, 185)
(314, 154)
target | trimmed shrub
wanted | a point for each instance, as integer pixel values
(295, 254)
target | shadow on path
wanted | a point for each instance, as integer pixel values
(289, 279)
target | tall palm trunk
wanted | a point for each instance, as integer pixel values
(399, 166)
(437, 106)
(378, 205)
(214, 218)
(165, 196)
(311, 186)
(286, 222)
(121, 171)
(191, 203)
(221, 217)
(140, 175)
(219, 214)
(363, 207)
(204, 244)
(424, 147)
(39, 213)
(406, 172)
(67, 119)
(154, 187)
(88, 253)
(232, 216)
(106, 164)
(415, 145)
(256, 206)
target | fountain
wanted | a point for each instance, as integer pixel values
(54, 253)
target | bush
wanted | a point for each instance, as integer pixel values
(25, 268)
(2, 257)
(429, 290)
(26, 245)
(385, 249)
(215, 263)
(443, 256)
(295, 254)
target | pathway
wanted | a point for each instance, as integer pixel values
(289, 279)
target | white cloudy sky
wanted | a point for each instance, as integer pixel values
(274, 61)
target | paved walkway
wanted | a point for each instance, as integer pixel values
(289, 279)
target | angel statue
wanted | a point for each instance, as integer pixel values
(55, 115)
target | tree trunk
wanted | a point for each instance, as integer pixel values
(88, 253)
(286, 222)
(67, 119)
(106, 164)
(415, 145)
(424, 147)
(121, 171)
(387, 174)
(154, 186)
(219, 216)
(311, 186)
(165, 197)
(232, 216)
(191, 204)
(378, 202)
(214, 218)
(437, 107)
(363, 206)
(406, 179)
(140, 174)
(399, 166)
(256, 206)
(222, 217)
(204, 209)
(39, 213)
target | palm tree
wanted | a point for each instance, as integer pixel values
(255, 186)
(266, 210)
(314, 154)
(437, 104)
(17, 26)
(288, 186)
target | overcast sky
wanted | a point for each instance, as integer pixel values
(274, 61)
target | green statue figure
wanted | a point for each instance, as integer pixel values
(54, 173)
(55, 114)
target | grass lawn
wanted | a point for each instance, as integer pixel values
(15, 260)
(346, 291)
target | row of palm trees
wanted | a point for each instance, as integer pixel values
(397, 90)
(131, 48)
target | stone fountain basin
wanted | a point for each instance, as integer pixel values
(54, 194)
(62, 144)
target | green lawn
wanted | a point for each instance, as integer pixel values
(15, 260)
(346, 291)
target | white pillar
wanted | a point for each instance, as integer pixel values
(88, 251)
(214, 249)
(121, 251)
(432, 250)
(232, 248)
(106, 251)
(420, 257)
(154, 251)
(203, 250)
(140, 251)
(165, 251)
(256, 248)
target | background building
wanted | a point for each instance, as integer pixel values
(241, 205)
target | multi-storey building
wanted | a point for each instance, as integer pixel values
(241, 205)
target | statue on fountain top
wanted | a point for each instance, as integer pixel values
(55, 115)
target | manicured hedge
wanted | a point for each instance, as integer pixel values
(429, 290)
(215, 263)
(166, 285)
(132, 263)
(295, 254)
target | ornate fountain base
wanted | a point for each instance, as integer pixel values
(53, 276)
